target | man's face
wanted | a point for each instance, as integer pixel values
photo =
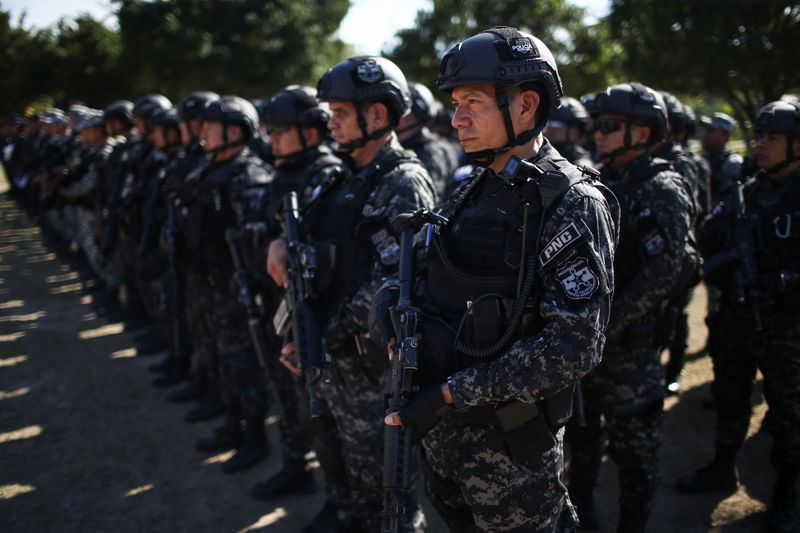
(186, 133)
(558, 132)
(344, 122)
(609, 132)
(477, 119)
(714, 138)
(284, 139)
(211, 135)
(770, 148)
(159, 137)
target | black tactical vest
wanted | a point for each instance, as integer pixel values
(473, 266)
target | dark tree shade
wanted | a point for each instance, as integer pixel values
(745, 51)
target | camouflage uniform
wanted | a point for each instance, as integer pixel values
(227, 194)
(438, 155)
(476, 475)
(354, 213)
(736, 346)
(626, 386)
(85, 194)
(726, 171)
(575, 154)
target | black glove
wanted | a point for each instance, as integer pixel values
(381, 328)
(424, 410)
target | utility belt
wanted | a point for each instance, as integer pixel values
(528, 428)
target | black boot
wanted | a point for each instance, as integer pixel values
(253, 449)
(326, 520)
(719, 476)
(177, 371)
(225, 438)
(584, 505)
(209, 407)
(632, 521)
(149, 344)
(289, 481)
(783, 516)
(190, 391)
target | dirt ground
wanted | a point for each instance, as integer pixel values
(88, 444)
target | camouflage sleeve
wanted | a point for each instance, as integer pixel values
(662, 243)
(85, 185)
(576, 274)
(400, 192)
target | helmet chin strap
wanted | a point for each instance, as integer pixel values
(214, 152)
(608, 158)
(365, 137)
(484, 158)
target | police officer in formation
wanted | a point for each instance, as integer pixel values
(518, 283)
(757, 324)
(623, 397)
(520, 311)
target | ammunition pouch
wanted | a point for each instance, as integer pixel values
(528, 428)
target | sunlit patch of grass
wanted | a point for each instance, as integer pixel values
(66, 289)
(69, 276)
(13, 490)
(219, 458)
(266, 520)
(25, 433)
(30, 317)
(11, 361)
(124, 354)
(139, 490)
(102, 331)
(7, 394)
(11, 337)
(12, 304)
(42, 258)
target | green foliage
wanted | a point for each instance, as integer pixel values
(744, 51)
(247, 47)
(586, 60)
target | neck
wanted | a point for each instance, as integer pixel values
(783, 173)
(523, 151)
(228, 153)
(364, 155)
(624, 158)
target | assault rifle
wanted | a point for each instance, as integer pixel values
(308, 341)
(247, 296)
(174, 282)
(743, 254)
(397, 441)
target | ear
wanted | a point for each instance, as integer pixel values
(312, 136)
(377, 115)
(529, 102)
(640, 134)
(235, 133)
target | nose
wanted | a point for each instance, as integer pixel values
(461, 118)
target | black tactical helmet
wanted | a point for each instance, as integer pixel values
(366, 79)
(167, 118)
(638, 103)
(676, 113)
(571, 111)
(230, 109)
(423, 105)
(296, 105)
(504, 56)
(192, 106)
(120, 109)
(149, 104)
(781, 117)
